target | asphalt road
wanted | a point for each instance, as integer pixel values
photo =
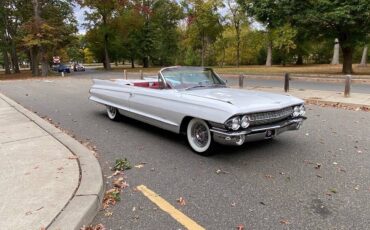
(297, 84)
(266, 185)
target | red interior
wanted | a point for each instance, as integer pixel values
(152, 85)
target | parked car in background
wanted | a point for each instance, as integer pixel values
(195, 101)
(63, 68)
(78, 67)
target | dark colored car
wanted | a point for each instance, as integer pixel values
(63, 68)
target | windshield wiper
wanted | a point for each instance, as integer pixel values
(196, 86)
(204, 86)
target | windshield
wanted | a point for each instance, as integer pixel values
(191, 78)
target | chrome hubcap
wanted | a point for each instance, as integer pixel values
(199, 134)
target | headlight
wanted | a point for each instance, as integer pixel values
(299, 110)
(244, 123)
(296, 111)
(233, 123)
(302, 110)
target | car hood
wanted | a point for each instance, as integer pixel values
(246, 100)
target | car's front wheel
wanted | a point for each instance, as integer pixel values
(199, 137)
(113, 113)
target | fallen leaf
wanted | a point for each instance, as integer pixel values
(96, 227)
(73, 157)
(233, 204)
(261, 202)
(269, 176)
(60, 168)
(219, 171)
(139, 166)
(318, 166)
(181, 201)
(333, 190)
(357, 187)
(284, 222)
(120, 183)
(319, 176)
(240, 227)
(115, 174)
(335, 163)
(111, 197)
(108, 214)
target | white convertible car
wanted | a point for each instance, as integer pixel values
(195, 101)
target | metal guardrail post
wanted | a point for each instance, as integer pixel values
(347, 86)
(141, 75)
(241, 81)
(125, 74)
(286, 82)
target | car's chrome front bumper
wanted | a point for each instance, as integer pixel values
(256, 133)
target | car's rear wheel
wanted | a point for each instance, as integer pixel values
(113, 113)
(199, 137)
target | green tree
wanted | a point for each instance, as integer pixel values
(49, 29)
(237, 16)
(203, 25)
(101, 21)
(347, 20)
(283, 40)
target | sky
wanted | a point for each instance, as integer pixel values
(79, 14)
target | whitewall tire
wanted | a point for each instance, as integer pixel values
(113, 113)
(199, 136)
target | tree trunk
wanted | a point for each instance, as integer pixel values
(145, 62)
(35, 49)
(44, 68)
(269, 54)
(132, 62)
(106, 54)
(237, 46)
(35, 61)
(203, 49)
(335, 60)
(15, 61)
(223, 57)
(6, 62)
(44, 63)
(364, 57)
(347, 60)
(29, 59)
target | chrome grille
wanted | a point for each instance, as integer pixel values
(270, 117)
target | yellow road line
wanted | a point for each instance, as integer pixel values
(168, 208)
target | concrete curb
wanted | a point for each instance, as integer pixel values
(84, 205)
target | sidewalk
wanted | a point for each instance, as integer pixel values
(355, 101)
(47, 179)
